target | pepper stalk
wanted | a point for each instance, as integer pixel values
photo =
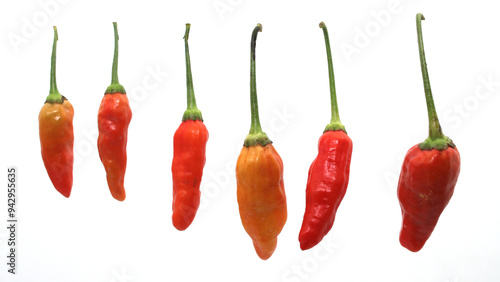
(436, 140)
(335, 123)
(192, 112)
(115, 86)
(54, 95)
(256, 135)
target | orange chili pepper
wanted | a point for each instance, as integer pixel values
(259, 176)
(113, 119)
(190, 140)
(56, 133)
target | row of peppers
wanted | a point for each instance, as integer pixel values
(427, 180)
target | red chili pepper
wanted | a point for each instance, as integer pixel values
(113, 120)
(56, 133)
(259, 177)
(329, 172)
(190, 141)
(429, 173)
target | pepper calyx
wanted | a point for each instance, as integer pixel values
(441, 143)
(115, 88)
(55, 98)
(335, 126)
(258, 138)
(192, 114)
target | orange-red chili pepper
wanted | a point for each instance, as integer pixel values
(259, 176)
(56, 133)
(113, 120)
(429, 173)
(329, 173)
(190, 140)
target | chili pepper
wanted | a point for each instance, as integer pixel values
(429, 173)
(56, 133)
(329, 172)
(259, 177)
(190, 140)
(113, 119)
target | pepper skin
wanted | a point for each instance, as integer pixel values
(56, 133)
(113, 120)
(259, 179)
(426, 184)
(261, 196)
(326, 186)
(329, 173)
(190, 141)
(429, 173)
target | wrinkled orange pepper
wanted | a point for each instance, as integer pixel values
(56, 133)
(259, 176)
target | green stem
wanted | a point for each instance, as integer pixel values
(256, 136)
(436, 139)
(54, 95)
(192, 112)
(115, 86)
(335, 123)
(255, 125)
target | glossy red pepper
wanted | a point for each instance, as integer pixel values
(428, 175)
(113, 120)
(190, 141)
(329, 172)
(56, 133)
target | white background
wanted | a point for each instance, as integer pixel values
(92, 237)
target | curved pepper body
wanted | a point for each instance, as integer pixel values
(261, 196)
(113, 120)
(56, 141)
(326, 186)
(190, 141)
(425, 187)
